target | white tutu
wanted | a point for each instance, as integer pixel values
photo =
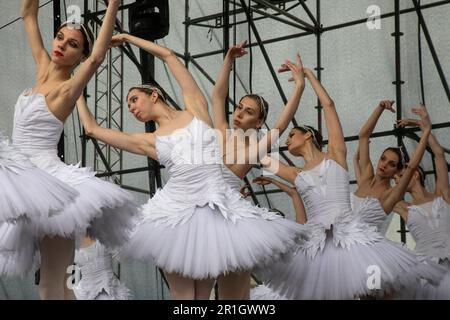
(18, 249)
(263, 292)
(427, 291)
(429, 225)
(25, 191)
(103, 209)
(338, 272)
(98, 281)
(207, 245)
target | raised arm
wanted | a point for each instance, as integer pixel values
(140, 143)
(300, 213)
(396, 194)
(288, 173)
(220, 90)
(336, 143)
(365, 164)
(297, 76)
(74, 87)
(193, 97)
(442, 183)
(357, 167)
(401, 208)
(29, 13)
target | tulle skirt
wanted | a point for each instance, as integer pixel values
(208, 245)
(101, 210)
(356, 271)
(263, 292)
(26, 191)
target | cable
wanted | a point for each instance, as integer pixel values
(250, 14)
(20, 18)
(422, 87)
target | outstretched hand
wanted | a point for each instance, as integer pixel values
(425, 121)
(262, 180)
(117, 40)
(237, 51)
(297, 70)
(387, 105)
(403, 123)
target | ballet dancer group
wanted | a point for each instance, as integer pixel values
(199, 228)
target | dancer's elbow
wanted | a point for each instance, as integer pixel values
(96, 59)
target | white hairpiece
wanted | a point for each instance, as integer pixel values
(310, 130)
(151, 88)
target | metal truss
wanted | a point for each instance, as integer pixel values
(108, 94)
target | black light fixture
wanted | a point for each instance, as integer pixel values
(149, 19)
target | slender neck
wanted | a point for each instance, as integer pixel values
(420, 194)
(164, 114)
(311, 154)
(380, 181)
(57, 73)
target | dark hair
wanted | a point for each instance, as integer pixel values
(421, 175)
(398, 152)
(262, 104)
(87, 34)
(317, 138)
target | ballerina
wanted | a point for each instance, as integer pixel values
(428, 215)
(250, 114)
(196, 227)
(103, 210)
(372, 201)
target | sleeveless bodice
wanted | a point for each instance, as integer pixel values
(35, 127)
(429, 224)
(369, 210)
(95, 263)
(231, 179)
(328, 200)
(192, 158)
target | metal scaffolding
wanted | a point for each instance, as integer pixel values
(108, 93)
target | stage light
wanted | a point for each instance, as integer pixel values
(149, 19)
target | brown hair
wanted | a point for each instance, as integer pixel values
(317, 137)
